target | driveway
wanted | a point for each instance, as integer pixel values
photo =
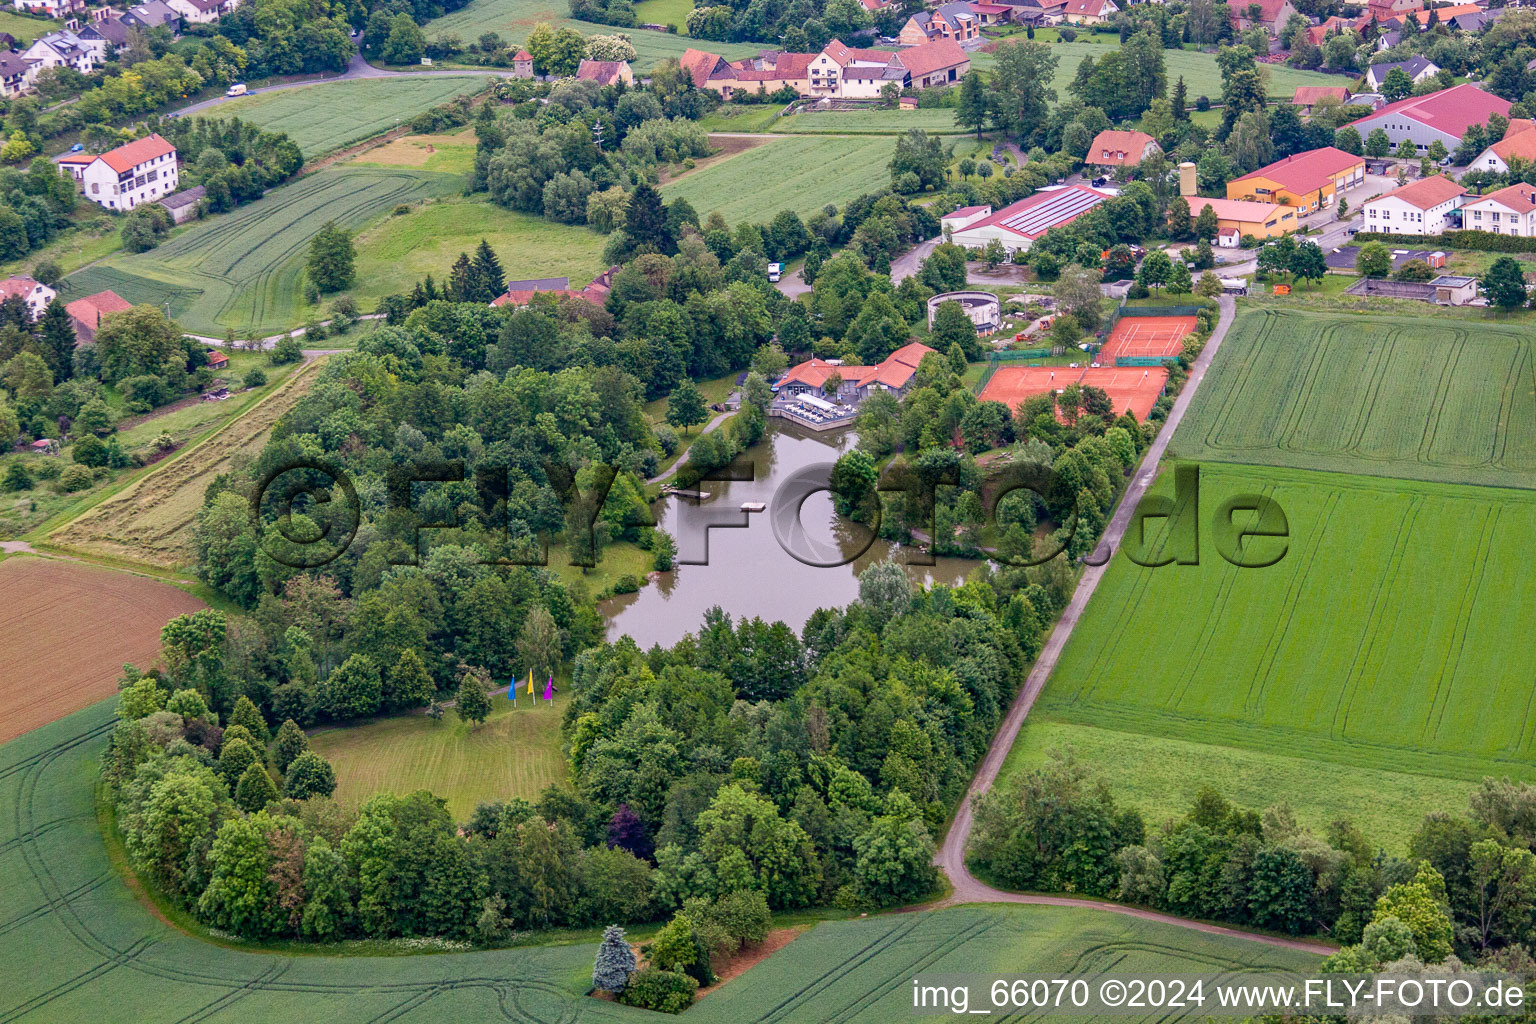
(910, 262)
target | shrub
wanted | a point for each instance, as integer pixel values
(90, 451)
(663, 991)
(254, 377)
(1068, 35)
(626, 584)
(16, 478)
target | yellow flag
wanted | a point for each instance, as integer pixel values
(530, 682)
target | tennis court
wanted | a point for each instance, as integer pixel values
(1133, 389)
(1147, 337)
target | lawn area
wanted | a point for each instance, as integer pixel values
(665, 12)
(324, 118)
(73, 912)
(244, 270)
(1160, 778)
(515, 753)
(1422, 397)
(796, 174)
(25, 28)
(742, 117)
(452, 153)
(513, 19)
(1381, 640)
(396, 252)
(871, 122)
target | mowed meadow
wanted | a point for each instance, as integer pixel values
(79, 945)
(1385, 638)
(800, 174)
(243, 271)
(1425, 398)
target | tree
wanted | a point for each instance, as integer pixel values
(489, 279)
(1348, 139)
(241, 897)
(919, 154)
(994, 253)
(645, 220)
(895, 858)
(331, 256)
(1308, 263)
(944, 269)
(255, 789)
(1180, 282)
(137, 342)
(685, 406)
(1180, 224)
(1377, 144)
(1504, 886)
(538, 642)
(246, 714)
(408, 684)
(1504, 284)
(406, 42)
(1420, 905)
(1020, 90)
(1209, 285)
(57, 334)
(1397, 85)
(1373, 260)
(971, 108)
(291, 742)
(1207, 223)
(1155, 269)
(951, 326)
(615, 961)
(309, 775)
(884, 591)
(145, 226)
(235, 756)
(832, 384)
(472, 703)
(1077, 293)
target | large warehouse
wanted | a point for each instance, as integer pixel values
(1019, 224)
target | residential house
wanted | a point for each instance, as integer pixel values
(201, 12)
(991, 13)
(520, 293)
(1386, 10)
(1019, 224)
(1509, 211)
(153, 14)
(1423, 207)
(34, 293)
(1416, 68)
(953, 20)
(183, 206)
(60, 49)
(1088, 12)
(120, 179)
(1472, 21)
(1035, 12)
(1270, 15)
(872, 6)
(1308, 181)
(1442, 15)
(1236, 218)
(1319, 34)
(606, 72)
(1112, 148)
(15, 77)
(846, 73)
(941, 62)
(1388, 39)
(103, 34)
(1309, 96)
(50, 8)
(1519, 143)
(1442, 116)
(522, 64)
(893, 373)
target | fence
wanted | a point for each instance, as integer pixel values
(996, 359)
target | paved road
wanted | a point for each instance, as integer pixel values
(909, 262)
(951, 855)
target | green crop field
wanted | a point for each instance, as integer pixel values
(871, 122)
(1421, 397)
(665, 12)
(324, 118)
(396, 252)
(1380, 640)
(78, 945)
(25, 28)
(244, 270)
(515, 753)
(513, 19)
(786, 174)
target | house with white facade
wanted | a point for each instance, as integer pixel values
(34, 293)
(141, 171)
(62, 49)
(200, 12)
(1517, 146)
(1509, 211)
(50, 8)
(1422, 207)
(15, 73)
(848, 73)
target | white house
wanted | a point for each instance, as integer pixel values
(34, 293)
(1018, 225)
(61, 49)
(1518, 144)
(142, 171)
(51, 8)
(1509, 211)
(200, 12)
(1422, 207)
(848, 73)
(1418, 69)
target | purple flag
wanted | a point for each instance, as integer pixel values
(549, 688)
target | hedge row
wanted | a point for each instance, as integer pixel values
(1481, 240)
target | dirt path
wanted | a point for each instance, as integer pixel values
(672, 471)
(951, 855)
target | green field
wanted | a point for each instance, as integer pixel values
(1383, 639)
(324, 118)
(1427, 398)
(79, 946)
(244, 270)
(665, 12)
(873, 122)
(515, 753)
(513, 19)
(395, 253)
(795, 174)
(24, 28)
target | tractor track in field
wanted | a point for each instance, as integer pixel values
(950, 858)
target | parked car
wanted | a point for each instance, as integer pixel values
(238, 89)
(78, 147)
(1100, 182)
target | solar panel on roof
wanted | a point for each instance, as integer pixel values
(1062, 205)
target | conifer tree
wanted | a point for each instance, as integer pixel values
(615, 961)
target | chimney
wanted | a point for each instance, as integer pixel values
(1187, 180)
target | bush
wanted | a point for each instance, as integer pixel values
(255, 377)
(663, 991)
(1202, 103)
(626, 584)
(90, 451)
(1068, 35)
(75, 478)
(16, 478)
(1481, 241)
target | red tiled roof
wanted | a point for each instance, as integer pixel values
(127, 157)
(1235, 209)
(930, 57)
(1451, 111)
(1521, 145)
(699, 64)
(965, 210)
(92, 308)
(1309, 95)
(1306, 172)
(1426, 192)
(522, 55)
(893, 371)
(1520, 197)
(1443, 13)
(1269, 10)
(1091, 8)
(1116, 148)
(604, 72)
(17, 285)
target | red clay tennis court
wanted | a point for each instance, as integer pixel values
(1147, 337)
(1133, 389)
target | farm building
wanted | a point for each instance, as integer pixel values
(122, 178)
(217, 360)
(1508, 211)
(1424, 207)
(1019, 224)
(606, 72)
(1112, 148)
(182, 206)
(984, 308)
(893, 373)
(937, 63)
(1416, 68)
(953, 20)
(951, 222)
(520, 293)
(34, 293)
(1307, 181)
(1519, 142)
(837, 72)
(1132, 389)
(1236, 218)
(1309, 96)
(85, 314)
(1442, 116)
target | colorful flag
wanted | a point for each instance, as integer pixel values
(530, 682)
(549, 688)
(512, 690)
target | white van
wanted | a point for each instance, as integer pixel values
(775, 271)
(238, 89)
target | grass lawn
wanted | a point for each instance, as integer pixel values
(1422, 397)
(870, 122)
(620, 558)
(1160, 777)
(93, 234)
(452, 153)
(665, 12)
(25, 28)
(396, 252)
(742, 117)
(717, 389)
(515, 753)
(324, 118)
(797, 174)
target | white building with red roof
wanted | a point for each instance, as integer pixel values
(1423, 207)
(1509, 211)
(141, 171)
(34, 293)
(1019, 224)
(1442, 116)
(893, 373)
